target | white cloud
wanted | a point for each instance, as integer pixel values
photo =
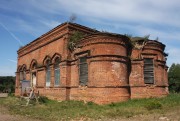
(173, 55)
(129, 10)
(13, 35)
(159, 18)
(14, 61)
(51, 24)
(140, 11)
(8, 70)
(2, 73)
(30, 27)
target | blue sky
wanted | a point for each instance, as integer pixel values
(22, 21)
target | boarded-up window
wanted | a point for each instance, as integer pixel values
(21, 76)
(57, 72)
(48, 74)
(24, 74)
(25, 87)
(148, 71)
(83, 71)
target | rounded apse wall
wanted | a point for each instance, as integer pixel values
(107, 65)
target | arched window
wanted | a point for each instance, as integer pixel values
(24, 74)
(48, 73)
(57, 72)
(21, 75)
(34, 66)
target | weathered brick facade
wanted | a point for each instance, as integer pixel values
(102, 67)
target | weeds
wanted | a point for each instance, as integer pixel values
(74, 39)
(153, 105)
(76, 110)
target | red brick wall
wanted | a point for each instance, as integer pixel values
(113, 76)
(108, 74)
(100, 95)
(39, 55)
(53, 93)
(160, 87)
(136, 77)
(148, 91)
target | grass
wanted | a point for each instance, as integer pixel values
(68, 110)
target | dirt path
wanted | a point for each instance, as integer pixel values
(171, 115)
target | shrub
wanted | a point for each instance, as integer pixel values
(43, 99)
(90, 103)
(74, 39)
(112, 104)
(153, 105)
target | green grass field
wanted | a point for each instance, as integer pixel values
(68, 110)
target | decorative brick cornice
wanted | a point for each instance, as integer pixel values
(35, 46)
(102, 38)
(54, 34)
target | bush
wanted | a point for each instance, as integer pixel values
(43, 99)
(90, 103)
(74, 39)
(112, 104)
(153, 105)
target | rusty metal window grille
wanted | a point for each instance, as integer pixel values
(48, 74)
(148, 71)
(57, 72)
(83, 71)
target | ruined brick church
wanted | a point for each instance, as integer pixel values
(74, 62)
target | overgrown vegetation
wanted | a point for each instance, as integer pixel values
(134, 40)
(74, 39)
(153, 105)
(7, 84)
(174, 78)
(77, 110)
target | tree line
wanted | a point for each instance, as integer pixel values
(7, 84)
(174, 78)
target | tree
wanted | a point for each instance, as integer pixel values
(7, 83)
(174, 78)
